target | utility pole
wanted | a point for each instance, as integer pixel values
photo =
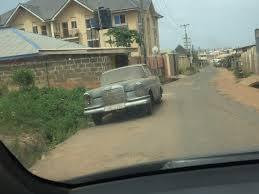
(186, 37)
(142, 30)
(187, 41)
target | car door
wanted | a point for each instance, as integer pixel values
(153, 82)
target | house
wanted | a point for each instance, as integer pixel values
(70, 20)
(55, 62)
(183, 58)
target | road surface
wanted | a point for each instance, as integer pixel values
(194, 120)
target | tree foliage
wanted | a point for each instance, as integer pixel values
(123, 37)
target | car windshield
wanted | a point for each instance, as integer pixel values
(146, 81)
(122, 74)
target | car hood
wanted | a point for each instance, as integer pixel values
(165, 166)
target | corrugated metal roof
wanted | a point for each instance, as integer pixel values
(15, 42)
(46, 9)
(116, 5)
(5, 16)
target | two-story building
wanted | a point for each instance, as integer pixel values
(70, 20)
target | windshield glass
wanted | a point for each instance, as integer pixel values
(122, 74)
(146, 81)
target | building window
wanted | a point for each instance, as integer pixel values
(93, 38)
(120, 19)
(35, 30)
(88, 23)
(44, 30)
(65, 30)
(73, 24)
(91, 23)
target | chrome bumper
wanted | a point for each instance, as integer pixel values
(131, 103)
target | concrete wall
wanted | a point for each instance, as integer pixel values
(183, 62)
(248, 60)
(171, 65)
(59, 71)
(257, 51)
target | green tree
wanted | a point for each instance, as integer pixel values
(123, 37)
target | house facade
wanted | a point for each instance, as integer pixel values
(70, 20)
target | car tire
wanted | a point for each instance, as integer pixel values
(98, 119)
(159, 101)
(149, 108)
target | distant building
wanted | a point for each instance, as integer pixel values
(183, 58)
(70, 20)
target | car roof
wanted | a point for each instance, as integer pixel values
(136, 65)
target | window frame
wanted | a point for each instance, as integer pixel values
(45, 30)
(120, 19)
(35, 29)
(92, 41)
(73, 24)
(88, 25)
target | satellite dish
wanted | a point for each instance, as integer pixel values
(155, 50)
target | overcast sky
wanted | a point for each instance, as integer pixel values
(214, 23)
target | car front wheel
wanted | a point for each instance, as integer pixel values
(159, 100)
(98, 119)
(149, 108)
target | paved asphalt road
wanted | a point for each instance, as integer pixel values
(194, 120)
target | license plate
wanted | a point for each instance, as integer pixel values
(114, 107)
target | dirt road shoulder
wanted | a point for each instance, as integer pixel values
(227, 85)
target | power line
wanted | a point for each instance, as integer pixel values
(165, 7)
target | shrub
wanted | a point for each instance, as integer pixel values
(3, 90)
(55, 113)
(240, 73)
(24, 78)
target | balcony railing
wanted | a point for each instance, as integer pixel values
(68, 34)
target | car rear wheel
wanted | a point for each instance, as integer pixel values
(98, 119)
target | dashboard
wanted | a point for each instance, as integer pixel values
(237, 177)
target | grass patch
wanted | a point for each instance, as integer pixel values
(39, 119)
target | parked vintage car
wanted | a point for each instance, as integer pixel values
(124, 88)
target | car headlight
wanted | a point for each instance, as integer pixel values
(88, 99)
